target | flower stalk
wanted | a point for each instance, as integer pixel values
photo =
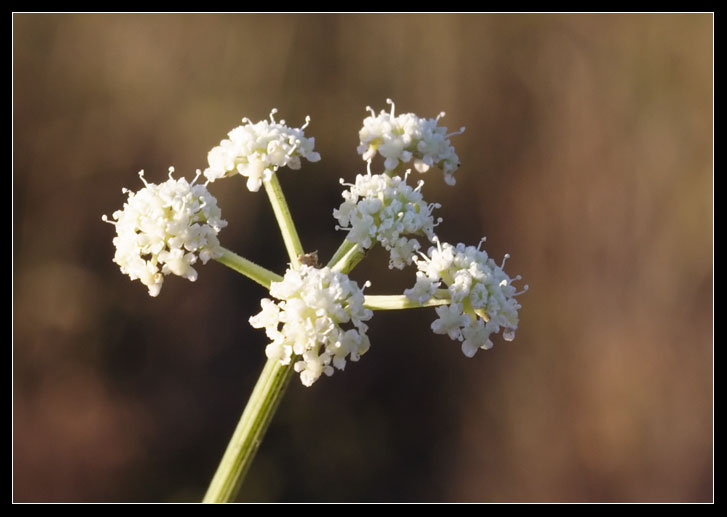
(248, 435)
(285, 221)
(248, 268)
(378, 302)
(347, 262)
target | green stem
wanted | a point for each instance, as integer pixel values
(248, 435)
(251, 270)
(285, 221)
(348, 261)
(273, 380)
(396, 302)
(342, 250)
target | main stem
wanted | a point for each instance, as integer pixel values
(248, 435)
(273, 380)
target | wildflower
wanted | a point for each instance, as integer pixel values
(307, 321)
(163, 229)
(257, 150)
(384, 209)
(483, 296)
(399, 139)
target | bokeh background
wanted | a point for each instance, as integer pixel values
(587, 157)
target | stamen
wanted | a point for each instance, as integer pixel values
(458, 132)
(389, 101)
(371, 110)
(432, 206)
(273, 112)
(504, 259)
(482, 241)
(307, 121)
(171, 172)
(141, 175)
(440, 116)
(425, 257)
(438, 242)
(521, 292)
(196, 176)
(105, 219)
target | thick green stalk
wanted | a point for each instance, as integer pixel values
(273, 380)
(251, 270)
(248, 435)
(285, 221)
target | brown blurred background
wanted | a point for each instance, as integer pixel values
(587, 156)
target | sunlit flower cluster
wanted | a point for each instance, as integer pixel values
(384, 209)
(406, 137)
(483, 298)
(163, 229)
(306, 323)
(257, 150)
(315, 318)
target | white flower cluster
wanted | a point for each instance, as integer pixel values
(483, 297)
(307, 320)
(257, 150)
(399, 139)
(164, 228)
(384, 209)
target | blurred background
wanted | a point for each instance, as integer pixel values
(587, 157)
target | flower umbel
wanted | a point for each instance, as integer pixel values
(307, 320)
(315, 318)
(163, 229)
(257, 150)
(384, 209)
(401, 138)
(483, 297)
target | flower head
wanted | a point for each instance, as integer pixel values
(257, 150)
(483, 296)
(163, 229)
(401, 138)
(384, 209)
(307, 321)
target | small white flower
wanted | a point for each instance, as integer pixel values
(384, 209)
(423, 289)
(483, 296)
(163, 229)
(451, 320)
(476, 335)
(401, 138)
(307, 321)
(257, 150)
